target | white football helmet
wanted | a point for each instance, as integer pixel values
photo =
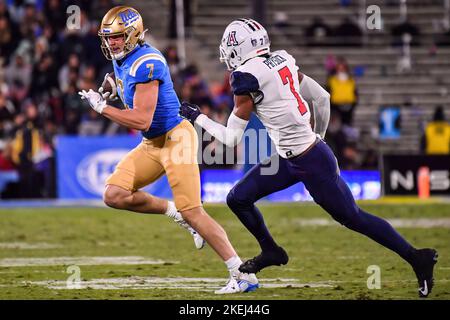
(243, 39)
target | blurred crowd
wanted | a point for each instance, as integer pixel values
(348, 31)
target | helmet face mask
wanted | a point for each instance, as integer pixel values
(227, 58)
(108, 51)
(242, 40)
(124, 21)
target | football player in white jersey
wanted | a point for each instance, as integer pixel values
(270, 84)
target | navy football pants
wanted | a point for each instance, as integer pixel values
(319, 172)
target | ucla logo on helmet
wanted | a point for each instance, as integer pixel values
(128, 17)
(232, 39)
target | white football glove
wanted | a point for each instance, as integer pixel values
(108, 95)
(94, 98)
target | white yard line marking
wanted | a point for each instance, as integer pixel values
(80, 261)
(397, 222)
(193, 284)
(199, 284)
(28, 246)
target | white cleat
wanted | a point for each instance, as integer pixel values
(198, 239)
(239, 282)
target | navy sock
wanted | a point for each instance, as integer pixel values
(261, 233)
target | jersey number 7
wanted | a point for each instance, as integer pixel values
(286, 76)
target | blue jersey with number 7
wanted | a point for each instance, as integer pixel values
(142, 65)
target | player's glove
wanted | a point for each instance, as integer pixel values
(108, 82)
(95, 99)
(190, 111)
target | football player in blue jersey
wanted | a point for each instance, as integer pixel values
(270, 84)
(169, 144)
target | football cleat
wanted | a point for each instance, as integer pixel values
(423, 266)
(198, 239)
(265, 259)
(239, 282)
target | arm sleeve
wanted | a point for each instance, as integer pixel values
(230, 135)
(312, 91)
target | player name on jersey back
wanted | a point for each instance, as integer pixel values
(274, 61)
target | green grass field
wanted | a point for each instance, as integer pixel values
(150, 257)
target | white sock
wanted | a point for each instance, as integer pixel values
(233, 263)
(172, 211)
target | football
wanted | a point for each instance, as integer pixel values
(108, 89)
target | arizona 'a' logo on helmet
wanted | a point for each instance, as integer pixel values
(243, 39)
(125, 21)
(232, 39)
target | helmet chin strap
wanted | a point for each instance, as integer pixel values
(118, 56)
(229, 67)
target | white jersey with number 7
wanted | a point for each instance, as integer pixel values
(272, 80)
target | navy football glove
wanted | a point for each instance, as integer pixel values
(190, 111)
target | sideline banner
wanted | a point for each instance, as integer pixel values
(84, 163)
(416, 174)
(217, 183)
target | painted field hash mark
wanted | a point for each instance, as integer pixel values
(29, 246)
(81, 261)
(178, 283)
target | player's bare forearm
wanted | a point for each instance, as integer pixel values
(144, 105)
(243, 106)
(130, 118)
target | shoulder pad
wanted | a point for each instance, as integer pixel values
(149, 67)
(243, 83)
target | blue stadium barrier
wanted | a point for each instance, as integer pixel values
(84, 163)
(7, 177)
